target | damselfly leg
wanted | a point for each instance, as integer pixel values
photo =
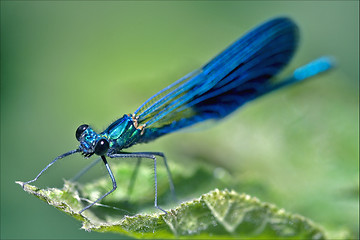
(113, 182)
(57, 158)
(150, 155)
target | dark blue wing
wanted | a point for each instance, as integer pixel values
(237, 75)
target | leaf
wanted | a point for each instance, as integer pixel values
(217, 214)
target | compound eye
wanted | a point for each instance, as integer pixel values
(101, 147)
(80, 130)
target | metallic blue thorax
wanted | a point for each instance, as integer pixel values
(122, 133)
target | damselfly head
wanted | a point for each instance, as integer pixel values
(91, 142)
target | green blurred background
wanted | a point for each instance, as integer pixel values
(68, 63)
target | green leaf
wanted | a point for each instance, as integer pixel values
(217, 214)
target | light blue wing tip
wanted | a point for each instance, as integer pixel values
(329, 60)
(315, 67)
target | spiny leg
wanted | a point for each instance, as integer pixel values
(113, 182)
(171, 183)
(57, 158)
(96, 161)
(142, 155)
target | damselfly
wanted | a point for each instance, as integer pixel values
(241, 73)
